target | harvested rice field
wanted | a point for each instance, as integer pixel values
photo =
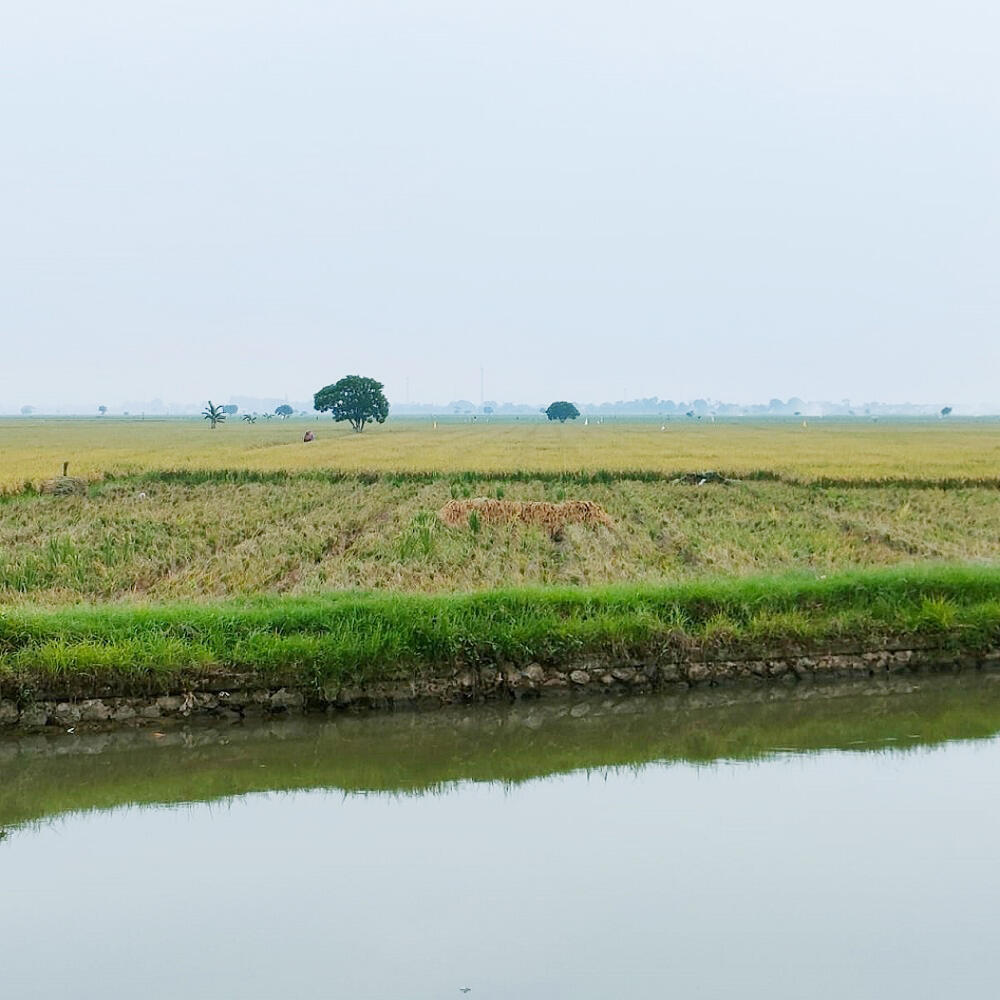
(167, 538)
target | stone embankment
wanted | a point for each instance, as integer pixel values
(237, 697)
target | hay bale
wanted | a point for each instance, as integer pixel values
(64, 486)
(552, 516)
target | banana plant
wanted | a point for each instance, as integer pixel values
(213, 414)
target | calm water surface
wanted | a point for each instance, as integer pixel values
(758, 846)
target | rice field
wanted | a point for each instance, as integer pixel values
(32, 450)
(166, 538)
(198, 549)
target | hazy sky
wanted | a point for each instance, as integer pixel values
(730, 199)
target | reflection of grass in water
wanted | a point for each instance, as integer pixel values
(421, 752)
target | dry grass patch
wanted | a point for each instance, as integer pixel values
(553, 517)
(308, 535)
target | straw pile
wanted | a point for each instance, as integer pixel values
(64, 486)
(552, 516)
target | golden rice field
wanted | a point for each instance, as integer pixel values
(34, 449)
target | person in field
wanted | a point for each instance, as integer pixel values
(308, 436)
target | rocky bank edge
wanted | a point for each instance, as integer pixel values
(233, 697)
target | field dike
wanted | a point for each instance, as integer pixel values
(127, 664)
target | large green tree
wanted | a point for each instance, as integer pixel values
(356, 399)
(562, 411)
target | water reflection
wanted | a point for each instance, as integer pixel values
(712, 848)
(46, 775)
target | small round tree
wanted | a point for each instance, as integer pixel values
(562, 411)
(284, 411)
(356, 399)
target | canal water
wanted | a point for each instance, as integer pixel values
(777, 843)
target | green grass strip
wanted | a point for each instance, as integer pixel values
(353, 638)
(575, 477)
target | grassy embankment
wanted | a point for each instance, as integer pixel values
(331, 640)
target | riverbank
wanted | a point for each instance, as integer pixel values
(124, 663)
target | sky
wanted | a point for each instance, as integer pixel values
(593, 201)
